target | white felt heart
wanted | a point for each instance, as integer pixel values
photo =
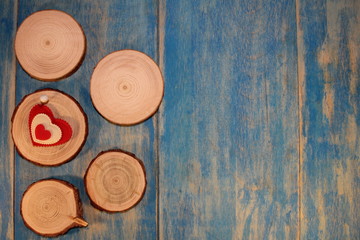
(45, 121)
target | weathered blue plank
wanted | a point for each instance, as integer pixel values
(8, 11)
(329, 61)
(229, 123)
(109, 26)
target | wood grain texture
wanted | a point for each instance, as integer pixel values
(50, 45)
(229, 123)
(126, 87)
(115, 181)
(50, 207)
(329, 61)
(8, 18)
(108, 26)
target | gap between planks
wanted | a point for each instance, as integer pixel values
(12, 104)
(158, 117)
(300, 80)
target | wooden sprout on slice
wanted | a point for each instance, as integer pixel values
(115, 181)
(51, 207)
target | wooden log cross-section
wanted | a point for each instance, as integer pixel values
(50, 45)
(126, 87)
(115, 181)
(51, 207)
(63, 108)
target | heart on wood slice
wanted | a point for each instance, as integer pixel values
(41, 133)
(45, 129)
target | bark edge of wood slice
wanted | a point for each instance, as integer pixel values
(50, 45)
(51, 207)
(63, 106)
(115, 181)
(126, 87)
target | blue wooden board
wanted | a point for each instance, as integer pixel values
(229, 122)
(329, 61)
(258, 133)
(7, 88)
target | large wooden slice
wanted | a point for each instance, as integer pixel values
(50, 45)
(51, 207)
(115, 181)
(64, 107)
(126, 87)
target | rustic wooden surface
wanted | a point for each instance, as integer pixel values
(231, 104)
(258, 133)
(329, 63)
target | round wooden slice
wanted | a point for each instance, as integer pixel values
(51, 207)
(63, 107)
(126, 87)
(115, 181)
(50, 45)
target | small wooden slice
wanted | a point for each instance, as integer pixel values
(115, 181)
(63, 106)
(50, 45)
(51, 207)
(126, 87)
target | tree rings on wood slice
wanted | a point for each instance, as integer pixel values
(126, 87)
(51, 207)
(50, 45)
(115, 181)
(64, 108)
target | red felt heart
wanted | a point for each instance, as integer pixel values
(40, 131)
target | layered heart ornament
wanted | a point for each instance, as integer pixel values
(45, 129)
